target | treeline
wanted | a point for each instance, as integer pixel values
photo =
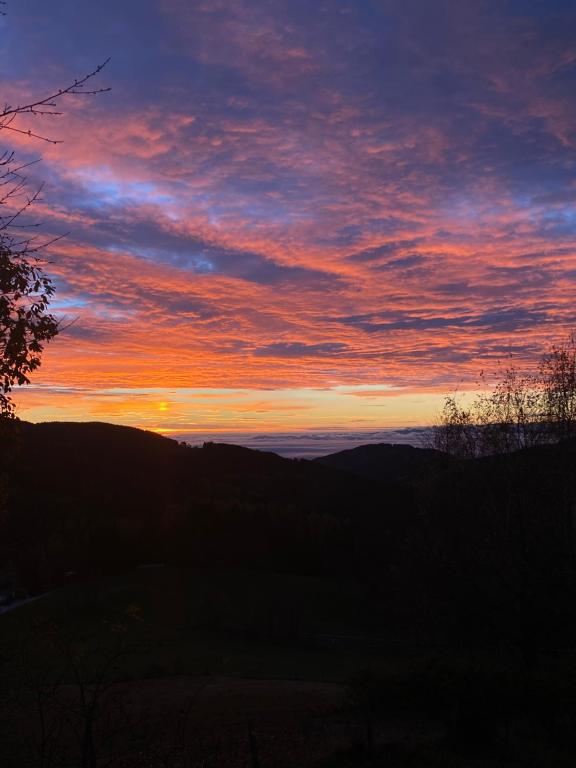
(522, 409)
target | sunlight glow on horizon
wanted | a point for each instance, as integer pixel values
(206, 410)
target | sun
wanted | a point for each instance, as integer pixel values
(163, 406)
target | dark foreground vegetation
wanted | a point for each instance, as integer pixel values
(220, 606)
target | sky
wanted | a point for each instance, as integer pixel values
(291, 215)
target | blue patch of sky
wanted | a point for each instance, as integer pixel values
(110, 191)
(195, 260)
(59, 305)
(562, 223)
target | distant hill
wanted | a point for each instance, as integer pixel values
(91, 497)
(137, 466)
(388, 462)
(453, 546)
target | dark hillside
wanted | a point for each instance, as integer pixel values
(90, 498)
(389, 463)
(500, 558)
(483, 548)
(105, 461)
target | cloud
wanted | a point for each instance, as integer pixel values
(298, 349)
(290, 194)
(381, 251)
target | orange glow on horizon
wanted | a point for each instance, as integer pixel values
(242, 411)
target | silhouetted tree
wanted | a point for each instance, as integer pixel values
(519, 411)
(557, 374)
(63, 696)
(26, 325)
(455, 432)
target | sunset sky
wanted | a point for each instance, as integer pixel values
(298, 214)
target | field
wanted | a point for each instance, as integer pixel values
(228, 668)
(195, 667)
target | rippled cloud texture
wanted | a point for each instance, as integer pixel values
(294, 196)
